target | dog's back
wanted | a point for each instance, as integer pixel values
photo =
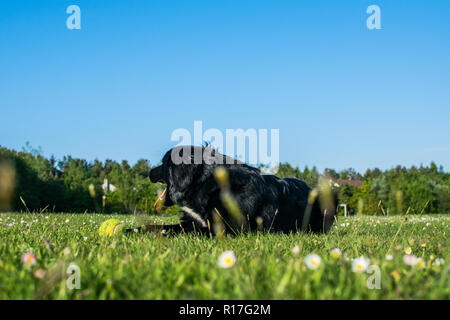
(293, 205)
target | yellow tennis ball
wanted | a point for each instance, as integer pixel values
(110, 228)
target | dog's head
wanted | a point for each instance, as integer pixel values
(178, 166)
(181, 166)
(184, 166)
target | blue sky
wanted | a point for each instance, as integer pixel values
(341, 95)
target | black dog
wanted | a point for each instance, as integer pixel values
(263, 201)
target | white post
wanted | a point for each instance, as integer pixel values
(345, 209)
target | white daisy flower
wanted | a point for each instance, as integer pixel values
(408, 250)
(29, 259)
(296, 249)
(313, 261)
(336, 253)
(410, 260)
(420, 263)
(389, 257)
(227, 259)
(438, 262)
(360, 264)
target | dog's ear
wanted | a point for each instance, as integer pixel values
(185, 166)
(179, 155)
(211, 156)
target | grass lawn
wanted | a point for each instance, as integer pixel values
(148, 266)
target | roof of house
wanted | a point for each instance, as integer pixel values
(350, 181)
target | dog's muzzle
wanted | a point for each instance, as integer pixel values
(156, 175)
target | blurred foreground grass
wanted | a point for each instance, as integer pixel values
(147, 266)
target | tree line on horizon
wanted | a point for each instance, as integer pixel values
(76, 185)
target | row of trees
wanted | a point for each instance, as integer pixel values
(75, 185)
(417, 189)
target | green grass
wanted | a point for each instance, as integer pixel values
(185, 266)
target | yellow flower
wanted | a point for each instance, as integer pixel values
(227, 259)
(336, 253)
(396, 275)
(408, 250)
(312, 261)
(424, 245)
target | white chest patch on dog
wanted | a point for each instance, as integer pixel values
(194, 215)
